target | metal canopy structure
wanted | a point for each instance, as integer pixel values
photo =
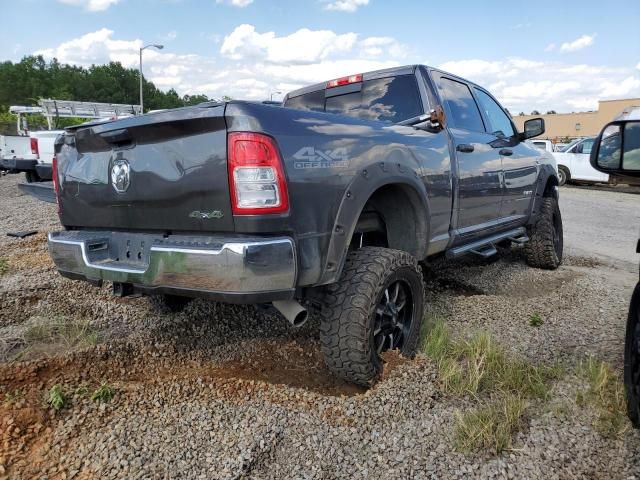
(51, 109)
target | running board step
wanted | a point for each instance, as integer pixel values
(485, 247)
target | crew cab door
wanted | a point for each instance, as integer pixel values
(479, 165)
(580, 167)
(519, 164)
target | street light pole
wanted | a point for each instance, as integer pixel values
(159, 47)
(274, 93)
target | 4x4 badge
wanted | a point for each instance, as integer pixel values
(120, 178)
(206, 215)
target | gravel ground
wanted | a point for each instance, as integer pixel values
(223, 391)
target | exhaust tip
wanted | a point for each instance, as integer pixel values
(295, 313)
(300, 319)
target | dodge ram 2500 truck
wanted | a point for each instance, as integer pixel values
(328, 202)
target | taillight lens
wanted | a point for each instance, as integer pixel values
(256, 176)
(34, 146)
(56, 180)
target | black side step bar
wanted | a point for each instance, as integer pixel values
(485, 247)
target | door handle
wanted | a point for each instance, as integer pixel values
(465, 148)
(506, 152)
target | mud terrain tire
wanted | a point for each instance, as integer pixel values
(544, 249)
(377, 305)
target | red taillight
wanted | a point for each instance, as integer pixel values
(56, 180)
(256, 178)
(338, 82)
(34, 146)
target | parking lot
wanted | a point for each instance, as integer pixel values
(222, 391)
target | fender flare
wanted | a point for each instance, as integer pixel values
(364, 184)
(547, 173)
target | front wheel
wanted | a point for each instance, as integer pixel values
(563, 175)
(632, 359)
(377, 305)
(544, 249)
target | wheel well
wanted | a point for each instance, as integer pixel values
(393, 217)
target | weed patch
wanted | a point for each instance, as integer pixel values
(605, 393)
(491, 425)
(536, 320)
(56, 398)
(104, 393)
(61, 330)
(478, 366)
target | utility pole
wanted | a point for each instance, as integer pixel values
(159, 47)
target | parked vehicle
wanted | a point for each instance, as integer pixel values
(17, 153)
(327, 203)
(617, 152)
(45, 141)
(37, 147)
(560, 147)
(545, 145)
(574, 165)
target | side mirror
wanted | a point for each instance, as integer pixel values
(617, 149)
(533, 128)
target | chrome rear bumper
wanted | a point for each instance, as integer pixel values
(222, 267)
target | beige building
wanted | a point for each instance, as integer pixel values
(579, 124)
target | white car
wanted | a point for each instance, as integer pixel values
(545, 145)
(573, 163)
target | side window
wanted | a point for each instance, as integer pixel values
(499, 123)
(587, 145)
(461, 105)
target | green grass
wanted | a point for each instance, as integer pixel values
(605, 393)
(479, 366)
(56, 398)
(490, 426)
(68, 333)
(536, 320)
(4, 266)
(104, 393)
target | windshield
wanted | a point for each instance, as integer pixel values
(390, 99)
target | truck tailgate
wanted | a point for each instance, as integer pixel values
(165, 171)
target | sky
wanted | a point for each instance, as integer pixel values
(543, 55)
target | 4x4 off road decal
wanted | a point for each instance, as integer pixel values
(310, 157)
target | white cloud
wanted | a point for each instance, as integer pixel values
(578, 44)
(304, 46)
(525, 85)
(345, 5)
(252, 64)
(551, 47)
(91, 5)
(236, 3)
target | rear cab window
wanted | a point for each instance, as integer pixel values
(462, 108)
(389, 99)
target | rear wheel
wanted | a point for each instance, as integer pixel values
(377, 305)
(544, 249)
(632, 359)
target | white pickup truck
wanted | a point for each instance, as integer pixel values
(31, 154)
(18, 153)
(573, 163)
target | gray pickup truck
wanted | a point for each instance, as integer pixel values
(326, 203)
